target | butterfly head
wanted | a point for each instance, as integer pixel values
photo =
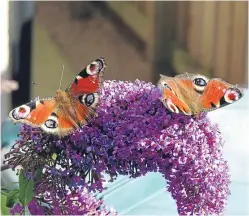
(61, 96)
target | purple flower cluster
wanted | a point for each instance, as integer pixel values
(79, 202)
(17, 209)
(133, 134)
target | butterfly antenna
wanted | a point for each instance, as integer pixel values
(61, 76)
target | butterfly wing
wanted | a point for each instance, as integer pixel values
(193, 93)
(88, 80)
(173, 95)
(84, 91)
(219, 93)
(45, 115)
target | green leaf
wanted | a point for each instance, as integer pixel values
(26, 189)
(12, 198)
(4, 209)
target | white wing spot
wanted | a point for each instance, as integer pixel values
(51, 125)
(171, 106)
(21, 112)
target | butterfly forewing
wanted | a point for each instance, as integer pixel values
(88, 80)
(218, 94)
(34, 113)
(85, 90)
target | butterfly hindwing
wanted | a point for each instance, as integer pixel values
(172, 97)
(84, 113)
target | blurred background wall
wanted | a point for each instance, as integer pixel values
(139, 40)
(21, 16)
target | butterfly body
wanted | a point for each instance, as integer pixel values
(68, 110)
(191, 94)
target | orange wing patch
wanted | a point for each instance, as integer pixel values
(218, 94)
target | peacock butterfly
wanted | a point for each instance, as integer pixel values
(191, 94)
(69, 109)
